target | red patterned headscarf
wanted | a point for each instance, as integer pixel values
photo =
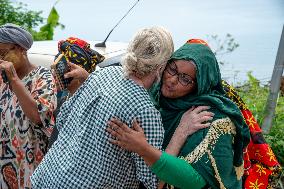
(79, 52)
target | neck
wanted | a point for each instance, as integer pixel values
(25, 69)
(146, 81)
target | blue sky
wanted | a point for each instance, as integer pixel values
(255, 24)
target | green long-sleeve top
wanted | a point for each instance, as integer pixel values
(177, 172)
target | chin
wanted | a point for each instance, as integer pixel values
(168, 94)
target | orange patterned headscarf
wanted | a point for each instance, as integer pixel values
(198, 41)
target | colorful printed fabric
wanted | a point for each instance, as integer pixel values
(23, 143)
(261, 165)
(79, 52)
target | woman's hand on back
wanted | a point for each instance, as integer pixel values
(131, 139)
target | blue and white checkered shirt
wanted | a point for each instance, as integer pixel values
(83, 157)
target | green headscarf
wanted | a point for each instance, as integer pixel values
(209, 92)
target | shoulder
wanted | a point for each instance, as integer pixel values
(220, 131)
(222, 126)
(117, 70)
(149, 111)
(150, 118)
(42, 73)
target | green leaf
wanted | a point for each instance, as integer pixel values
(53, 17)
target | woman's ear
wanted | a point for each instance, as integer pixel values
(21, 50)
(24, 52)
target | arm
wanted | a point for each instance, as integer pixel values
(168, 168)
(135, 140)
(191, 121)
(177, 172)
(27, 102)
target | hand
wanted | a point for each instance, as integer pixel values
(131, 139)
(78, 74)
(194, 119)
(9, 69)
(191, 121)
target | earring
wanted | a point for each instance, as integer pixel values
(24, 53)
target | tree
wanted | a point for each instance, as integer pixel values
(221, 47)
(17, 13)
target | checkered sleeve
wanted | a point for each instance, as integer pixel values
(150, 120)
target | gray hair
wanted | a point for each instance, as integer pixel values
(149, 49)
(14, 34)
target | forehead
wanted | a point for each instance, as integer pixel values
(6, 45)
(185, 66)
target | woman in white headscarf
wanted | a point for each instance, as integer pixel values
(27, 101)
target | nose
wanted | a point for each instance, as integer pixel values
(173, 79)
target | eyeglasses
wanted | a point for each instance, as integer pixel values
(183, 78)
(4, 52)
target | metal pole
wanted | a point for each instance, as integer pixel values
(274, 87)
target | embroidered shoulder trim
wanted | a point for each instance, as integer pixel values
(218, 127)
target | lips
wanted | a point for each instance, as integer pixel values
(169, 88)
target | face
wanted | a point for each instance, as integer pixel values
(11, 53)
(179, 79)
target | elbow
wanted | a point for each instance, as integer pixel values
(35, 118)
(37, 121)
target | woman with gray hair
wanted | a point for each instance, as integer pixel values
(141, 59)
(27, 101)
(82, 156)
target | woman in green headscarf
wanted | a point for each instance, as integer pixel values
(211, 157)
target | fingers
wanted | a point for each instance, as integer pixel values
(206, 113)
(116, 128)
(113, 132)
(136, 126)
(116, 122)
(200, 109)
(72, 65)
(5, 65)
(205, 119)
(9, 69)
(72, 73)
(76, 72)
(115, 142)
(204, 125)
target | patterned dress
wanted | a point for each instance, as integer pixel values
(23, 143)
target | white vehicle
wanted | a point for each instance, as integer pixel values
(42, 53)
